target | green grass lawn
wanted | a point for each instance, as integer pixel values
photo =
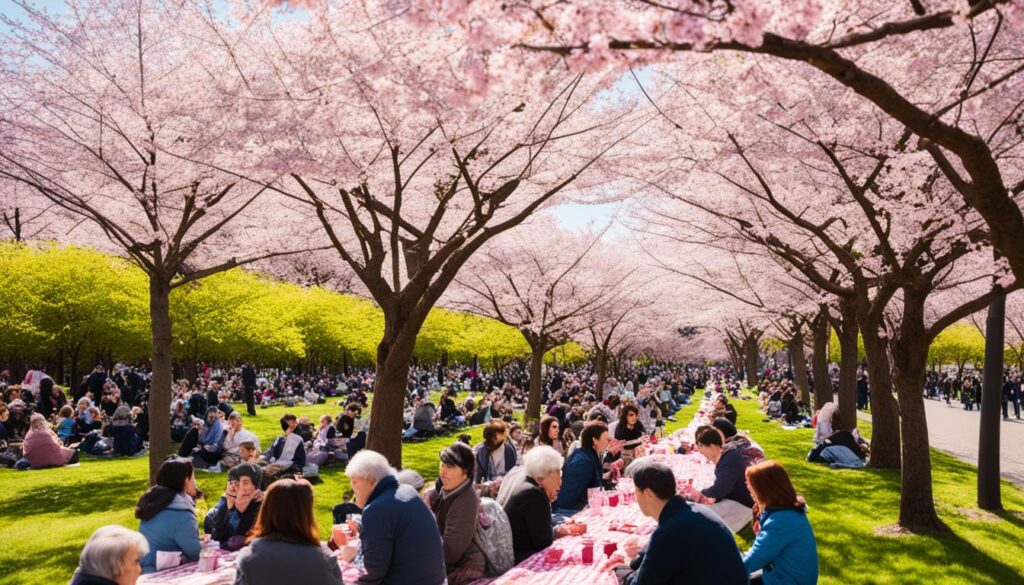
(47, 515)
(847, 506)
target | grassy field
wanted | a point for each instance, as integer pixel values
(47, 515)
(848, 507)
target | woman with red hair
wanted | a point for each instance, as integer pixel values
(785, 550)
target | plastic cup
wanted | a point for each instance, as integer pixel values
(588, 552)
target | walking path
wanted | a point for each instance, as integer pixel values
(955, 431)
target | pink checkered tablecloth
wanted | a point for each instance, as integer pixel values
(570, 570)
(189, 574)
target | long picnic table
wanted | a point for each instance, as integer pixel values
(611, 526)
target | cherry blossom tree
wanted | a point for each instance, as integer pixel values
(410, 165)
(548, 283)
(969, 51)
(104, 107)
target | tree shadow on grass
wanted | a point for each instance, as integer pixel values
(103, 493)
(47, 564)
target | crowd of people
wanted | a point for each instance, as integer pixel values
(527, 484)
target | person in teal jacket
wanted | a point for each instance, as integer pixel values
(785, 550)
(167, 513)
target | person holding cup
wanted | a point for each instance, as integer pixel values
(583, 469)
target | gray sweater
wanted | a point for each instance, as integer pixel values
(272, 562)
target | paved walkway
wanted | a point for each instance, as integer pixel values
(955, 431)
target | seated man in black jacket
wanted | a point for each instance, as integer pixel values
(728, 497)
(235, 513)
(691, 544)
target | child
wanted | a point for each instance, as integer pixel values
(66, 424)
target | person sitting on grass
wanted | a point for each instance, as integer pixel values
(728, 496)
(690, 545)
(455, 505)
(284, 546)
(235, 513)
(400, 540)
(43, 449)
(528, 505)
(111, 556)
(204, 441)
(167, 513)
(841, 449)
(66, 423)
(347, 421)
(51, 399)
(233, 440)
(785, 550)
(287, 454)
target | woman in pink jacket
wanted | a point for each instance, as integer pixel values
(42, 448)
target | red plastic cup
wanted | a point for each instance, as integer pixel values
(613, 500)
(588, 554)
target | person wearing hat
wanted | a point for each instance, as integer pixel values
(455, 505)
(235, 513)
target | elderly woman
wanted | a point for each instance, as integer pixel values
(455, 505)
(400, 541)
(529, 506)
(111, 556)
(42, 448)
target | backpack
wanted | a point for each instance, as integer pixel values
(494, 537)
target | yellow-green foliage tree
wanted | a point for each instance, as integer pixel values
(68, 305)
(62, 306)
(833, 348)
(958, 345)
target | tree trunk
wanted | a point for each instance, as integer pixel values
(160, 388)
(750, 358)
(819, 360)
(910, 358)
(601, 365)
(847, 333)
(394, 354)
(76, 382)
(796, 353)
(532, 415)
(885, 417)
(989, 496)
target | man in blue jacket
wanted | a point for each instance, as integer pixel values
(691, 545)
(401, 543)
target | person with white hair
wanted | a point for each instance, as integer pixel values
(111, 556)
(529, 506)
(400, 541)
